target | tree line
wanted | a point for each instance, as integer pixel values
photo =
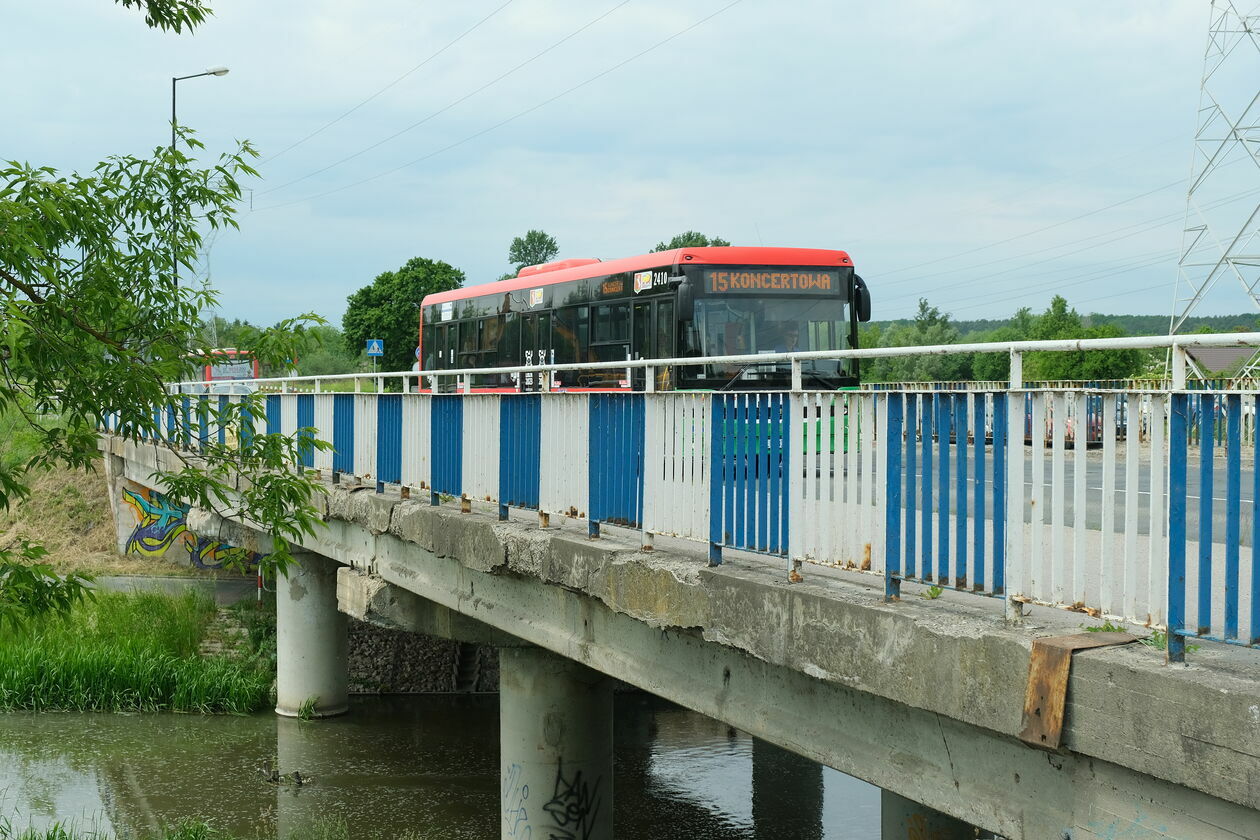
(931, 326)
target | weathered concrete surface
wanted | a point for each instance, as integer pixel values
(369, 598)
(556, 748)
(921, 698)
(311, 642)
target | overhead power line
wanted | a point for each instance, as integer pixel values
(449, 105)
(1026, 278)
(1057, 287)
(510, 119)
(1086, 215)
(1106, 238)
(1026, 234)
(432, 56)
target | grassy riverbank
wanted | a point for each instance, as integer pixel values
(190, 830)
(68, 513)
(129, 652)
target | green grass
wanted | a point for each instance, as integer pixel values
(329, 828)
(126, 652)
(18, 441)
(186, 830)
(1158, 638)
(259, 620)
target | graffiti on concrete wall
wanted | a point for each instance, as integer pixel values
(513, 794)
(160, 529)
(574, 806)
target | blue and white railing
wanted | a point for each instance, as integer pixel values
(983, 491)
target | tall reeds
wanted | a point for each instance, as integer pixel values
(126, 652)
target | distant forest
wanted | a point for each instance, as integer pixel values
(934, 327)
(1130, 324)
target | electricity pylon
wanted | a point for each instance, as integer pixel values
(1221, 241)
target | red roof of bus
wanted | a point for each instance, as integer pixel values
(735, 255)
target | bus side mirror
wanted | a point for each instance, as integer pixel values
(686, 301)
(861, 299)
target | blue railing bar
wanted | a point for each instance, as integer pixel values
(979, 437)
(1255, 544)
(960, 488)
(911, 444)
(942, 502)
(1233, 514)
(1178, 443)
(892, 506)
(999, 493)
(1207, 414)
(929, 428)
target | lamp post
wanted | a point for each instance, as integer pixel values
(211, 71)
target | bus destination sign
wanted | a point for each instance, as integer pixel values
(758, 280)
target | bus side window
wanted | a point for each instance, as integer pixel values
(437, 350)
(508, 347)
(491, 330)
(489, 336)
(564, 339)
(610, 339)
(467, 344)
(666, 327)
(584, 333)
(429, 347)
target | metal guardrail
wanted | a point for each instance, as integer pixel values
(972, 491)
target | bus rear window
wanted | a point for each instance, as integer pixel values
(232, 370)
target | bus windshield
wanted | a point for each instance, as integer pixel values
(739, 326)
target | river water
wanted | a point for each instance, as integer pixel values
(427, 765)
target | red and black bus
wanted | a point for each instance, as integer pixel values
(688, 302)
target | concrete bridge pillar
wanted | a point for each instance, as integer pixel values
(787, 794)
(556, 752)
(311, 640)
(905, 819)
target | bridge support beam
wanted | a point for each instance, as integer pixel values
(905, 819)
(311, 667)
(556, 752)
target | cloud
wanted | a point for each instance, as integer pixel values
(907, 133)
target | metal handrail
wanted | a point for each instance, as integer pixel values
(1176, 343)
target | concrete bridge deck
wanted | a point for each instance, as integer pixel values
(921, 698)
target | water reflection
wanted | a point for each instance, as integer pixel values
(426, 765)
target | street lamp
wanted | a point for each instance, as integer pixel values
(212, 71)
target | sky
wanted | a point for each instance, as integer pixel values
(983, 155)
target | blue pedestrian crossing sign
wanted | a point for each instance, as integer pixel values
(375, 347)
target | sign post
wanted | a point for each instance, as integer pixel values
(375, 349)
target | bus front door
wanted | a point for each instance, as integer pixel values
(652, 337)
(445, 356)
(536, 347)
